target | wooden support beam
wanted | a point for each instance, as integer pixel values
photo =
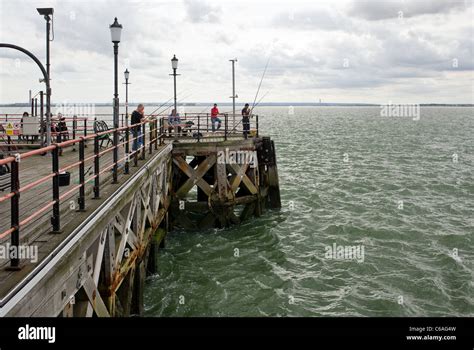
(194, 175)
(136, 307)
(125, 291)
(240, 171)
(94, 298)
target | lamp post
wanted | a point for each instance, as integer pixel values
(126, 75)
(174, 65)
(47, 12)
(115, 32)
(234, 96)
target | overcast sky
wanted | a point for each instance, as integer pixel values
(337, 51)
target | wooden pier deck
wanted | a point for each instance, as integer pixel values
(97, 262)
(39, 232)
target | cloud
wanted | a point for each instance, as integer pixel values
(308, 46)
(322, 19)
(199, 11)
(374, 10)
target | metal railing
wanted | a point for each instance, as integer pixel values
(71, 127)
(202, 126)
(150, 140)
(155, 131)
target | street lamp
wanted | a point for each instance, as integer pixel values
(126, 75)
(174, 65)
(46, 13)
(115, 32)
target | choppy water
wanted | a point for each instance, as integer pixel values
(343, 173)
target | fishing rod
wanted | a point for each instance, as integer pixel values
(205, 108)
(260, 84)
(163, 104)
(172, 104)
(256, 105)
(260, 100)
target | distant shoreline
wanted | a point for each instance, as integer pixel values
(268, 104)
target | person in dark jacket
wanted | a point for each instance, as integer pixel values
(62, 127)
(246, 119)
(137, 117)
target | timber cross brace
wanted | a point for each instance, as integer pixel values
(101, 270)
(119, 262)
(224, 184)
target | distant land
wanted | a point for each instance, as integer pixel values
(263, 104)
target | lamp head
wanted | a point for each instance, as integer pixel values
(174, 62)
(115, 31)
(45, 11)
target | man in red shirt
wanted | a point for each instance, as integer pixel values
(214, 118)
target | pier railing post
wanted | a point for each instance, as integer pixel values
(96, 168)
(256, 122)
(15, 213)
(143, 126)
(115, 155)
(150, 141)
(199, 129)
(161, 131)
(82, 175)
(42, 129)
(85, 131)
(225, 127)
(55, 220)
(156, 134)
(74, 127)
(127, 149)
(136, 143)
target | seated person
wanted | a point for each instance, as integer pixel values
(174, 122)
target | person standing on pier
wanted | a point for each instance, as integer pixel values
(62, 127)
(246, 119)
(214, 118)
(137, 117)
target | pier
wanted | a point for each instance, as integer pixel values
(97, 212)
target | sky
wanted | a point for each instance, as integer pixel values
(357, 51)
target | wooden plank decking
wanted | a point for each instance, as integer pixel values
(38, 231)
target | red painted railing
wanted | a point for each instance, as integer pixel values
(145, 136)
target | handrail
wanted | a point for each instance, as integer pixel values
(145, 136)
(54, 204)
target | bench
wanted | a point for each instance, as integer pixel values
(101, 126)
